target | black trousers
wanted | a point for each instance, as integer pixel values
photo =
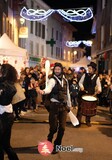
(6, 122)
(57, 122)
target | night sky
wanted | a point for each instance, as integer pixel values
(84, 28)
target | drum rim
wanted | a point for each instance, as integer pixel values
(90, 96)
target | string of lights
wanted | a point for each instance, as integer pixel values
(80, 15)
(35, 15)
(77, 43)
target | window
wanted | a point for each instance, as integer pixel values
(56, 35)
(60, 37)
(11, 4)
(31, 47)
(31, 27)
(10, 30)
(36, 28)
(52, 32)
(61, 54)
(4, 23)
(39, 30)
(37, 49)
(42, 50)
(57, 52)
(43, 31)
(32, 4)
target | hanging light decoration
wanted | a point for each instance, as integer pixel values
(80, 15)
(87, 43)
(76, 43)
(35, 15)
(72, 43)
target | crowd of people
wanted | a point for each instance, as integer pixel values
(33, 77)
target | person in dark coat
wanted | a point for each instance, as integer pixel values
(8, 76)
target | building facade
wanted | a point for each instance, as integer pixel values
(46, 39)
(104, 36)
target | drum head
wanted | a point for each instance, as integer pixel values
(89, 98)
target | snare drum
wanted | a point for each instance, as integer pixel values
(88, 105)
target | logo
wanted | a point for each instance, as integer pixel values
(60, 148)
(45, 148)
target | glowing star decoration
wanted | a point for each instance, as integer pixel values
(80, 15)
(35, 15)
(76, 43)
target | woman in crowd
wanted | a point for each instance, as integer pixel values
(8, 76)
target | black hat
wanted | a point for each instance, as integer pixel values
(93, 65)
(58, 65)
(82, 68)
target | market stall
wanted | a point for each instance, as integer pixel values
(12, 54)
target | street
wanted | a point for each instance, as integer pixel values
(96, 141)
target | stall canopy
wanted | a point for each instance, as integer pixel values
(82, 63)
(12, 54)
(8, 48)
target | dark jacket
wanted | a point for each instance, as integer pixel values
(7, 91)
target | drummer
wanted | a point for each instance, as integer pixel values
(89, 84)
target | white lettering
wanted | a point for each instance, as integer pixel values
(68, 149)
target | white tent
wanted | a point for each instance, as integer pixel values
(82, 63)
(7, 47)
(12, 54)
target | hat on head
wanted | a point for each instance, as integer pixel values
(93, 65)
(58, 65)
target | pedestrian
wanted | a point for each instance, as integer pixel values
(60, 104)
(74, 90)
(32, 93)
(18, 101)
(82, 71)
(8, 76)
(90, 85)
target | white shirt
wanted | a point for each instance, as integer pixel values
(50, 86)
(98, 84)
(7, 108)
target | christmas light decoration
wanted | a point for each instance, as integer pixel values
(87, 43)
(76, 16)
(80, 15)
(72, 43)
(35, 15)
(76, 43)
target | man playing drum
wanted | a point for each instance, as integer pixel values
(89, 85)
